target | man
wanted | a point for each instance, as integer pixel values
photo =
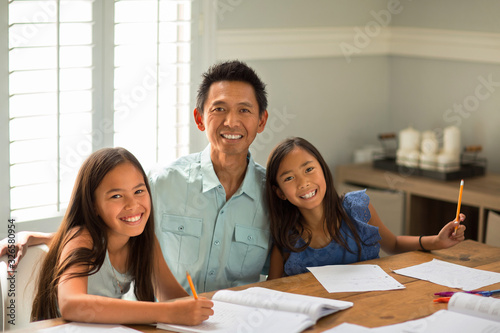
(209, 206)
(210, 215)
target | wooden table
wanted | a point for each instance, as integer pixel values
(375, 308)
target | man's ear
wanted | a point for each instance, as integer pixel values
(262, 121)
(198, 118)
(279, 193)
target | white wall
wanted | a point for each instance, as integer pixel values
(341, 106)
(335, 106)
(426, 93)
(477, 15)
(429, 92)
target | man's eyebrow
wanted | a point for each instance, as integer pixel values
(219, 102)
(249, 104)
(289, 171)
(222, 102)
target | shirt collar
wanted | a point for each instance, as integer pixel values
(209, 177)
(210, 180)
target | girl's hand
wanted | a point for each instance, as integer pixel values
(191, 311)
(447, 236)
(17, 250)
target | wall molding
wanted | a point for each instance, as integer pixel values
(349, 42)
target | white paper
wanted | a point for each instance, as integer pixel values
(314, 307)
(442, 321)
(262, 310)
(474, 305)
(84, 328)
(229, 318)
(348, 328)
(451, 275)
(349, 278)
(439, 322)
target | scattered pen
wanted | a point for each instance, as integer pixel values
(459, 203)
(191, 285)
(442, 300)
(488, 292)
(451, 293)
(475, 292)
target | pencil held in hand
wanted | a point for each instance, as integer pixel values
(459, 203)
(191, 285)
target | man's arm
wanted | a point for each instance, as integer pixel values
(24, 239)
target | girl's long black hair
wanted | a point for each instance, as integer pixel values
(80, 215)
(287, 225)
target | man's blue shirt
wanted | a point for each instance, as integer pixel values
(222, 244)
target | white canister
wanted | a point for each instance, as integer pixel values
(428, 162)
(429, 144)
(451, 140)
(401, 157)
(412, 159)
(409, 139)
(448, 162)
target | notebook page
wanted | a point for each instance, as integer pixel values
(478, 306)
(238, 318)
(315, 307)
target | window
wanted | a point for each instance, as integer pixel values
(86, 74)
(50, 100)
(152, 78)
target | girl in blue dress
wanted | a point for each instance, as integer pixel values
(312, 226)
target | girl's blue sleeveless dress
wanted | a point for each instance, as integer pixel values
(356, 207)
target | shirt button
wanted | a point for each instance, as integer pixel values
(216, 242)
(211, 273)
(180, 228)
(222, 212)
(249, 237)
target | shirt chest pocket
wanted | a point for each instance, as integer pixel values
(248, 250)
(182, 236)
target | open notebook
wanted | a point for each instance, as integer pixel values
(262, 310)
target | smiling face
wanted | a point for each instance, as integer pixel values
(231, 118)
(301, 180)
(122, 201)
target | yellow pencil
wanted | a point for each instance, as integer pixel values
(459, 203)
(191, 285)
